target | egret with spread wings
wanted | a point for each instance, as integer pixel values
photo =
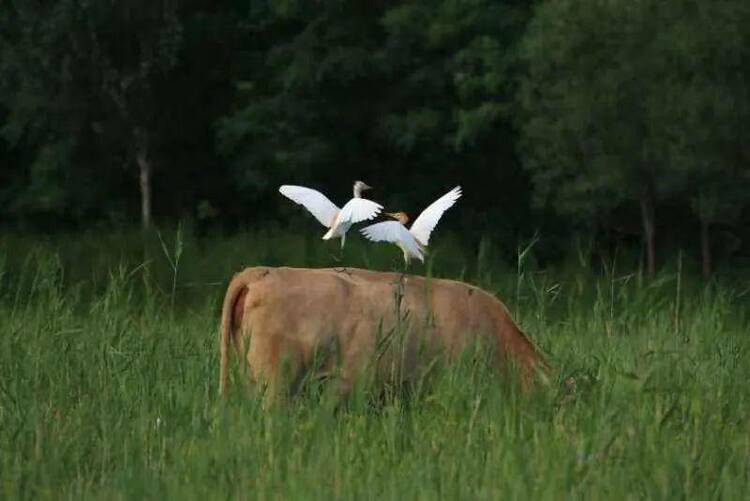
(338, 221)
(413, 241)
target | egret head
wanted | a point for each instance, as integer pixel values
(359, 187)
(401, 217)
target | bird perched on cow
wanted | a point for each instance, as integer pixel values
(338, 221)
(413, 241)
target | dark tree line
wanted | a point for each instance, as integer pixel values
(623, 120)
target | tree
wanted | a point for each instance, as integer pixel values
(592, 85)
(134, 45)
(81, 73)
(707, 109)
(451, 67)
(35, 89)
(406, 95)
(641, 100)
(306, 87)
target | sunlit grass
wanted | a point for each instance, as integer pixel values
(109, 365)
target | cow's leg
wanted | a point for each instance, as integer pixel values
(274, 364)
(357, 364)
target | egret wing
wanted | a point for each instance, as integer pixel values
(393, 232)
(314, 201)
(359, 209)
(428, 219)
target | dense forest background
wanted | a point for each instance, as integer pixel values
(620, 123)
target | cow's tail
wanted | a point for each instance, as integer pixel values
(235, 291)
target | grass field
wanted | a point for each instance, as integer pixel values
(109, 366)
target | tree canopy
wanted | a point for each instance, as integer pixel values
(636, 102)
(621, 119)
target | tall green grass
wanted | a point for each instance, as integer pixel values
(109, 364)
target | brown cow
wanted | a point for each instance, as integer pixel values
(349, 315)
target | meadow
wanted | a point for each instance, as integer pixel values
(109, 379)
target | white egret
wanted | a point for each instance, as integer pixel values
(413, 242)
(337, 220)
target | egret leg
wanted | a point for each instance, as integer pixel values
(343, 240)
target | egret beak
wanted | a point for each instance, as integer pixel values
(366, 186)
(394, 215)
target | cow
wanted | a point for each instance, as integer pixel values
(290, 321)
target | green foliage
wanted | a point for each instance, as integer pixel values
(106, 391)
(709, 102)
(86, 87)
(591, 86)
(400, 94)
(560, 117)
(625, 101)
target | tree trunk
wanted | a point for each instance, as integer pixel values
(706, 248)
(145, 180)
(649, 231)
(144, 171)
